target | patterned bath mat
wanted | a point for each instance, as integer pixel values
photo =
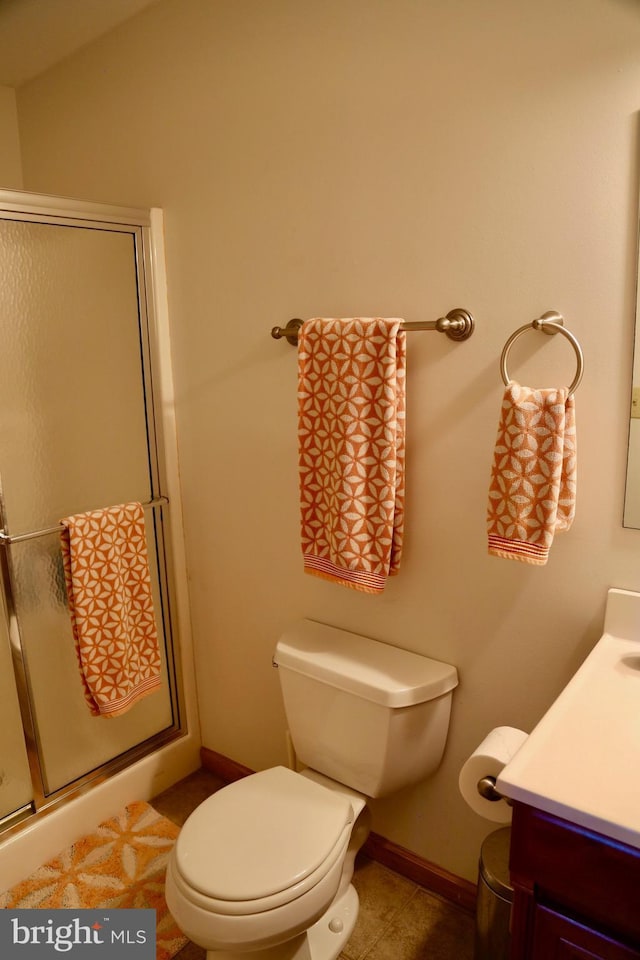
(122, 864)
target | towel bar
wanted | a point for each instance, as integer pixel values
(7, 540)
(550, 322)
(458, 325)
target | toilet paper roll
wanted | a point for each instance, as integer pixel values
(488, 760)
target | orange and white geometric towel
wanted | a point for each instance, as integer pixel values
(351, 434)
(532, 493)
(106, 572)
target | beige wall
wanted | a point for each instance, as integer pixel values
(389, 157)
(10, 168)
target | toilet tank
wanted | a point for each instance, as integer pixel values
(367, 714)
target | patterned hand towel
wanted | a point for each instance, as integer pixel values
(532, 493)
(351, 432)
(106, 572)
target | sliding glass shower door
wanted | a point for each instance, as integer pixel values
(77, 432)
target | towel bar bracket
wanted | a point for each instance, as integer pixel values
(290, 332)
(458, 325)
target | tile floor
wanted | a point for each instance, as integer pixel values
(398, 919)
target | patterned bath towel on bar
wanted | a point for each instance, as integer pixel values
(532, 493)
(106, 570)
(351, 433)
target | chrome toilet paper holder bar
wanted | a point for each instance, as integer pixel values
(487, 790)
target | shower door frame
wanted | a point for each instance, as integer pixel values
(38, 208)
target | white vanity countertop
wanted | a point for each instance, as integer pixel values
(582, 761)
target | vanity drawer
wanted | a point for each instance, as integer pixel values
(561, 939)
(582, 872)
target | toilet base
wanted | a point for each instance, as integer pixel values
(328, 936)
(325, 940)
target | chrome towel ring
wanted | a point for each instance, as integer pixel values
(550, 322)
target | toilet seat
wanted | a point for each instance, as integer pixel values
(203, 921)
(261, 843)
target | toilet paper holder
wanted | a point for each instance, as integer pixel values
(487, 790)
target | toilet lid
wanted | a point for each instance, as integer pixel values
(260, 835)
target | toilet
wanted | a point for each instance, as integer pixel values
(264, 866)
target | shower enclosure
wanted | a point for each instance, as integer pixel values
(79, 430)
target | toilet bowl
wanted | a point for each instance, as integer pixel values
(280, 840)
(264, 866)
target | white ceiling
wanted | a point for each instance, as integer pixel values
(35, 34)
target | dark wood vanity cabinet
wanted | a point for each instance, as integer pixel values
(576, 893)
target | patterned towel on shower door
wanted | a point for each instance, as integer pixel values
(111, 607)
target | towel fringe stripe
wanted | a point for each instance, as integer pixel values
(358, 579)
(517, 550)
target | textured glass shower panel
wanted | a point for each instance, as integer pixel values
(73, 437)
(72, 412)
(15, 776)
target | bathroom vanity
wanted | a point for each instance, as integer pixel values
(575, 789)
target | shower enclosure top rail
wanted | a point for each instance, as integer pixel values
(7, 540)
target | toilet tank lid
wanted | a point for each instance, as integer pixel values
(368, 668)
